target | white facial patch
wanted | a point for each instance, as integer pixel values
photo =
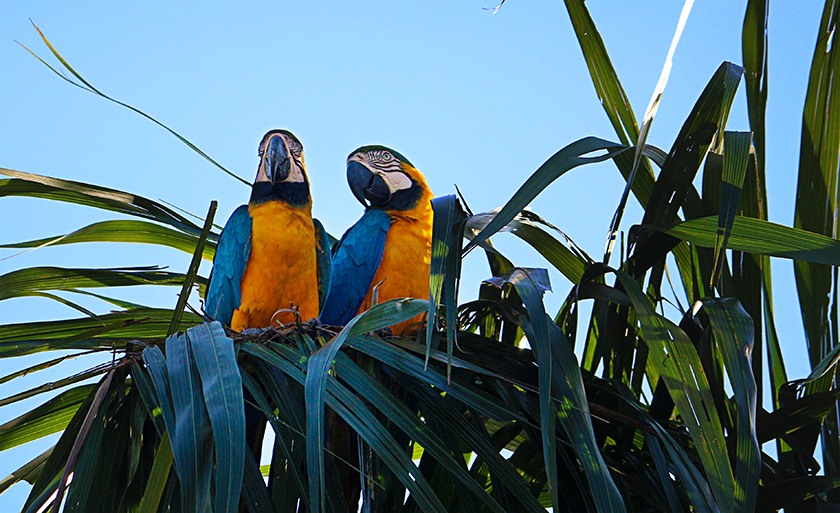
(262, 175)
(396, 181)
(295, 173)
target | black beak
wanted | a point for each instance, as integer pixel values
(277, 162)
(366, 186)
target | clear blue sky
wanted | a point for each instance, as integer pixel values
(472, 98)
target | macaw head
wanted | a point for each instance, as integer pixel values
(281, 174)
(382, 178)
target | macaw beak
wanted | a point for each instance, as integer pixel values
(367, 186)
(277, 161)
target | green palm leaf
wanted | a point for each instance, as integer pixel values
(752, 235)
(141, 232)
(34, 279)
(816, 204)
(85, 85)
(51, 417)
(56, 189)
(562, 398)
(380, 316)
(678, 364)
(732, 328)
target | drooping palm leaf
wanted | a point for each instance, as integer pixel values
(562, 398)
(215, 361)
(124, 231)
(56, 189)
(816, 202)
(735, 158)
(107, 331)
(34, 279)
(752, 235)
(382, 315)
(756, 64)
(85, 85)
(192, 271)
(571, 156)
(198, 390)
(643, 133)
(571, 261)
(447, 234)
(732, 329)
(51, 417)
(678, 364)
(611, 95)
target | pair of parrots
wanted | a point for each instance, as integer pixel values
(273, 259)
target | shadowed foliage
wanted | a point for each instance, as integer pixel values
(497, 404)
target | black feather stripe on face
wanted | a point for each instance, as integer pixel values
(405, 199)
(295, 194)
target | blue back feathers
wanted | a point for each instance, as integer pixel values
(356, 259)
(223, 293)
(324, 261)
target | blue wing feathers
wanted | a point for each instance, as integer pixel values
(356, 259)
(223, 293)
(324, 260)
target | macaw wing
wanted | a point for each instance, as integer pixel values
(324, 261)
(356, 258)
(224, 294)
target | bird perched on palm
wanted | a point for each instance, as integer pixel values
(387, 253)
(272, 260)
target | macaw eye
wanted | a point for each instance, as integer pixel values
(381, 157)
(296, 148)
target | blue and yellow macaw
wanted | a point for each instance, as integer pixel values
(272, 257)
(388, 251)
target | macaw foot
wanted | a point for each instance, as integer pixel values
(260, 334)
(313, 323)
(253, 332)
(384, 333)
